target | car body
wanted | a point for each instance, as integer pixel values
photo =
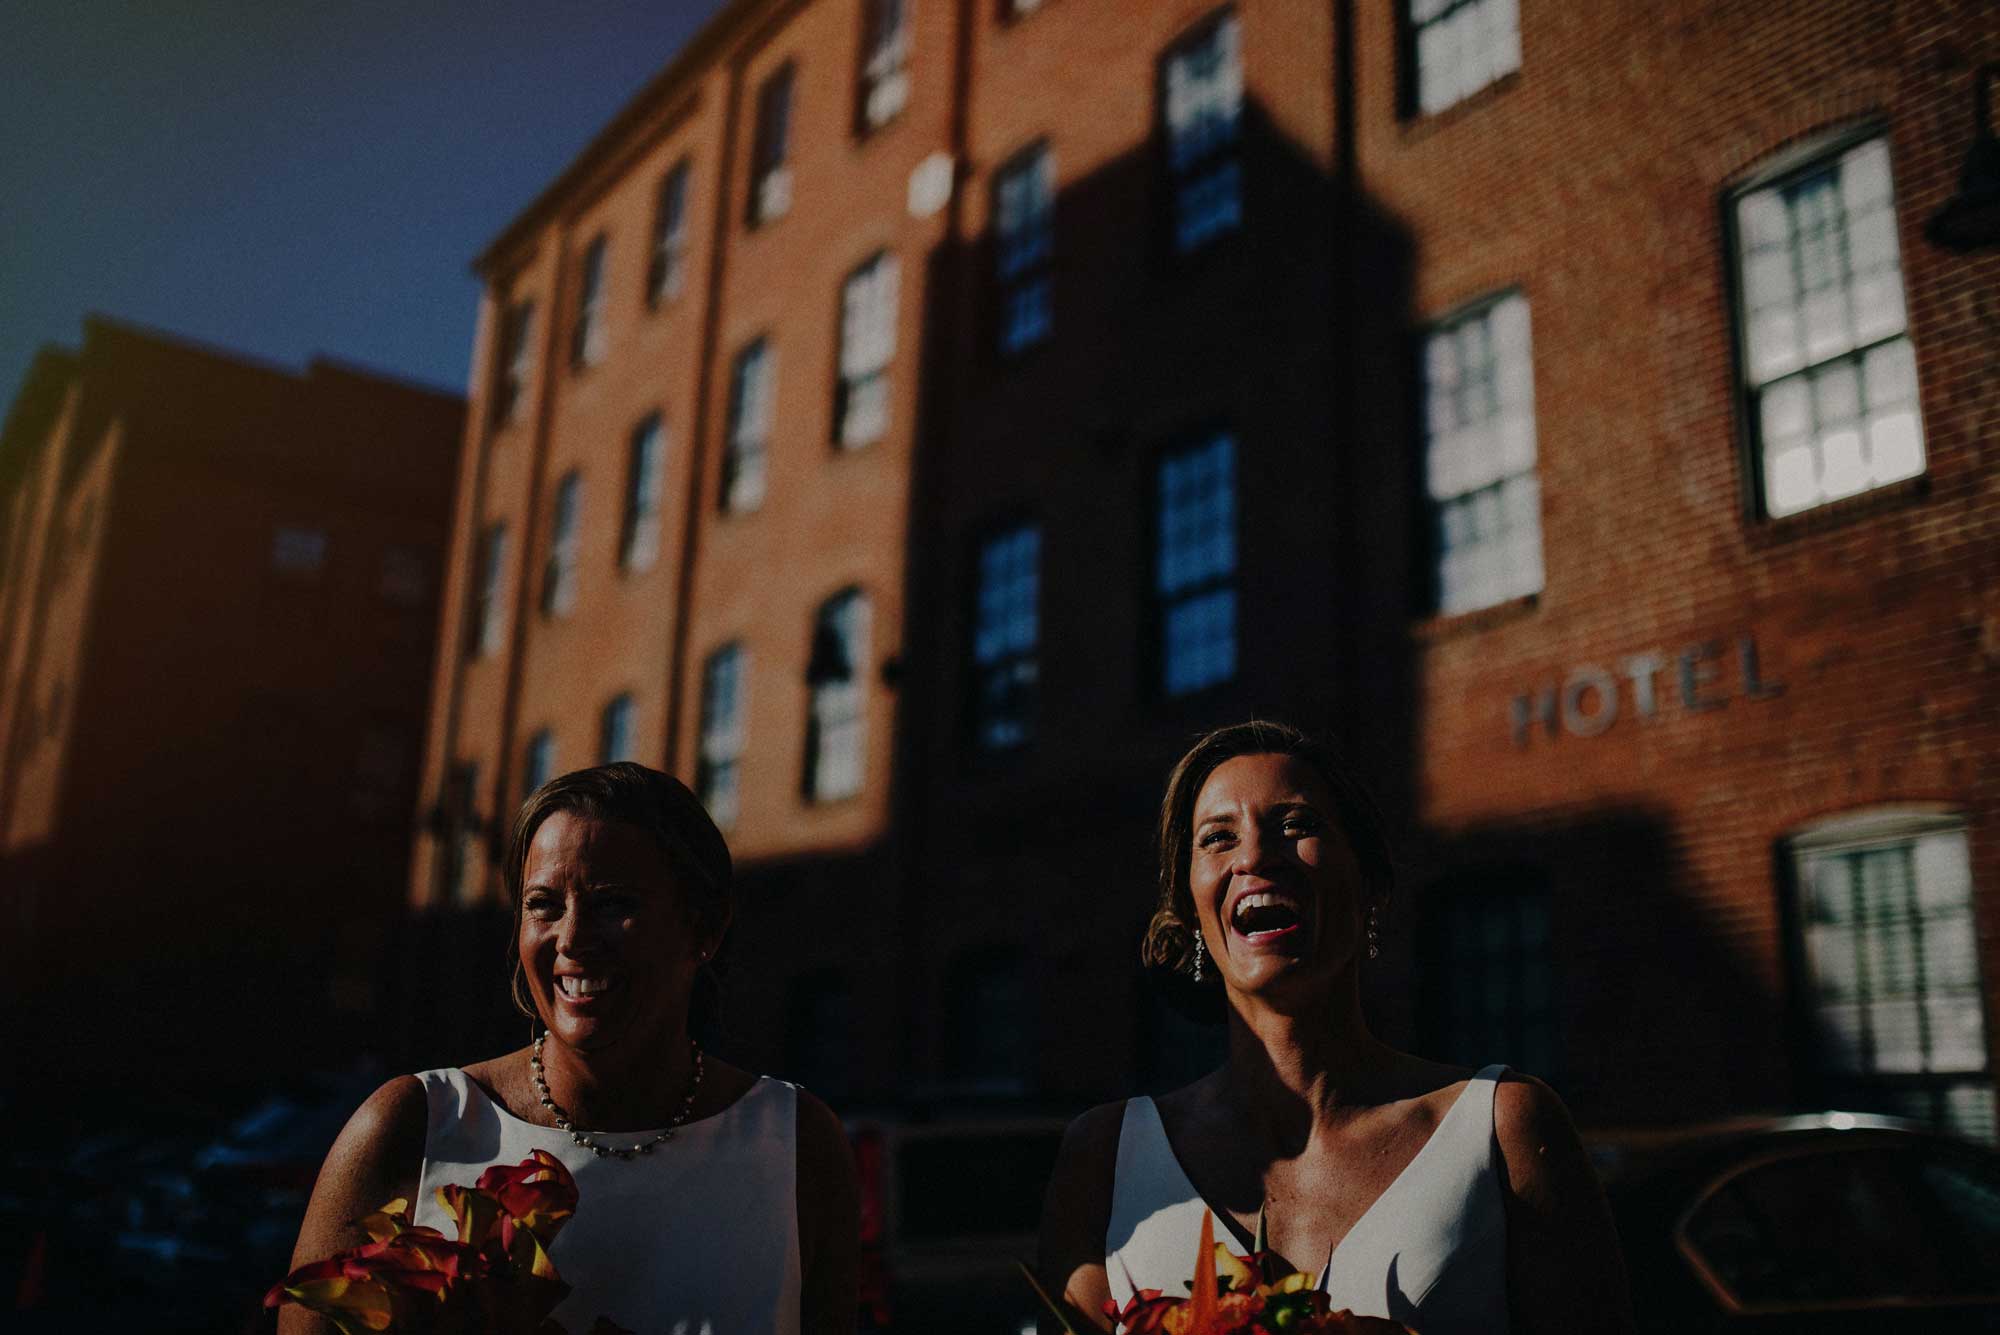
(1826, 1222)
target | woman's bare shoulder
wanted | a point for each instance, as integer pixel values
(387, 1129)
(1537, 1139)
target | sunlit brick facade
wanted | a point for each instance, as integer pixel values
(1562, 407)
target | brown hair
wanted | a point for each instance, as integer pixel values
(1169, 941)
(662, 806)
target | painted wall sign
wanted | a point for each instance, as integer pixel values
(1591, 697)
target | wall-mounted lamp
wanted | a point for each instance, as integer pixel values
(1970, 219)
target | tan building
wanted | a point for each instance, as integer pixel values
(218, 601)
(911, 422)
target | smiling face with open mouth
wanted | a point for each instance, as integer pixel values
(1275, 886)
(607, 939)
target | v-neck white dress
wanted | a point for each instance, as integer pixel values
(1431, 1252)
(700, 1237)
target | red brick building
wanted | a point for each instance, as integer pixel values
(911, 422)
(218, 604)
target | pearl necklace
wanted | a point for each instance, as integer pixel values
(584, 1138)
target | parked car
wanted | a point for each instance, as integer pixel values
(1830, 1222)
(947, 1208)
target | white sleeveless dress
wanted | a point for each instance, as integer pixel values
(700, 1237)
(1431, 1252)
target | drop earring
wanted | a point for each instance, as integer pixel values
(1374, 931)
(1200, 951)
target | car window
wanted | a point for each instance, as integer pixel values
(1871, 1224)
(973, 1186)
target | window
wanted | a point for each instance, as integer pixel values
(489, 603)
(538, 762)
(298, 551)
(867, 345)
(639, 542)
(1024, 210)
(559, 575)
(1204, 110)
(663, 272)
(885, 58)
(404, 579)
(461, 843)
(586, 346)
(1005, 633)
(1891, 958)
(516, 328)
(1460, 46)
(750, 392)
(819, 1031)
(1479, 457)
(1194, 576)
(1830, 375)
(836, 675)
(717, 772)
(1492, 995)
(770, 178)
(987, 1025)
(614, 731)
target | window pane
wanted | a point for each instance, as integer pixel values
(750, 397)
(837, 677)
(722, 693)
(867, 345)
(1203, 93)
(615, 739)
(1820, 270)
(1892, 958)
(1005, 634)
(1460, 48)
(1481, 468)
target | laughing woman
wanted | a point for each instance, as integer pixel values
(711, 1199)
(1455, 1201)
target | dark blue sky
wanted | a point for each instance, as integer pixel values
(288, 178)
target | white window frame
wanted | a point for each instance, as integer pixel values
(837, 722)
(1457, 47)
(1480, 455)
(771, 174)
(538, 761)
(884, 85)
(489, 597)
(1831, 402)
(1196, 565)
(725, 683)
(868, 310)
(615, 724)
(645, 481)
(565, 540)
(753, 387)
(1024, 209)
(587, 339)
(1202, 112)
(1902, 1011)
(670, 227)
(514, 359)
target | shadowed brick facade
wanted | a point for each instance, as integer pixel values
(1628, 770)
(218, 601)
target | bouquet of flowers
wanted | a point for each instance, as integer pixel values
(495, 1278)
(1234, 1295)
